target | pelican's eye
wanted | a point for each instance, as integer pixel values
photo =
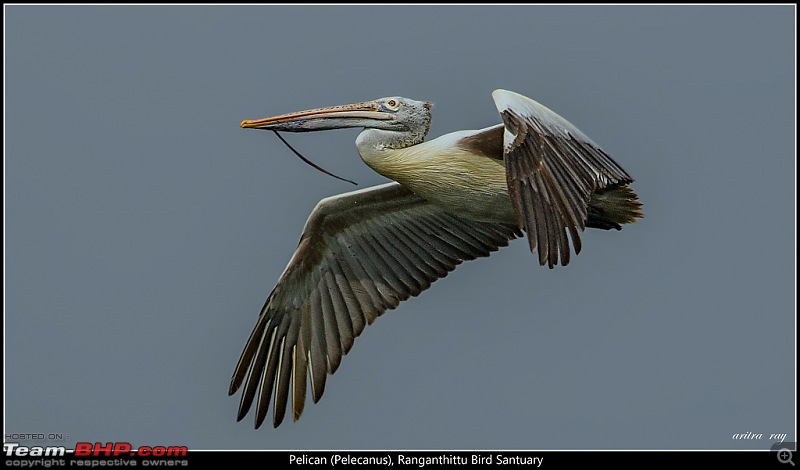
(392, 104)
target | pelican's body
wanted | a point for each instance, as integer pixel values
(447, 173)
(455, 198)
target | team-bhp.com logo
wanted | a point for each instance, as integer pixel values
(96, 449)
(120, 449)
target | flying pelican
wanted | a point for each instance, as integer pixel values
(455, 198)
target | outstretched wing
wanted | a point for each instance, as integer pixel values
(552, 170)
(360, 254)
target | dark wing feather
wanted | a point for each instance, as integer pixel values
(552, 170)
(360, 254)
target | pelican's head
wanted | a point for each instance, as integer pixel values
(394, 113)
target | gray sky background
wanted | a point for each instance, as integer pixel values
(144, 228)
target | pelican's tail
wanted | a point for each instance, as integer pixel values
(613, 206)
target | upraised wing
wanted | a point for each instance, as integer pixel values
(552, 169)
(360, 254)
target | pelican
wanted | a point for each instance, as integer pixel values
(455, 198)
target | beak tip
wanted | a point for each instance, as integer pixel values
(244, 124)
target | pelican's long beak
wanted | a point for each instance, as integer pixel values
(333, 117)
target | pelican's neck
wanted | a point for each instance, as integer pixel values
(380, 149)
(395, 155)
(377, 145)
(380, 139)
